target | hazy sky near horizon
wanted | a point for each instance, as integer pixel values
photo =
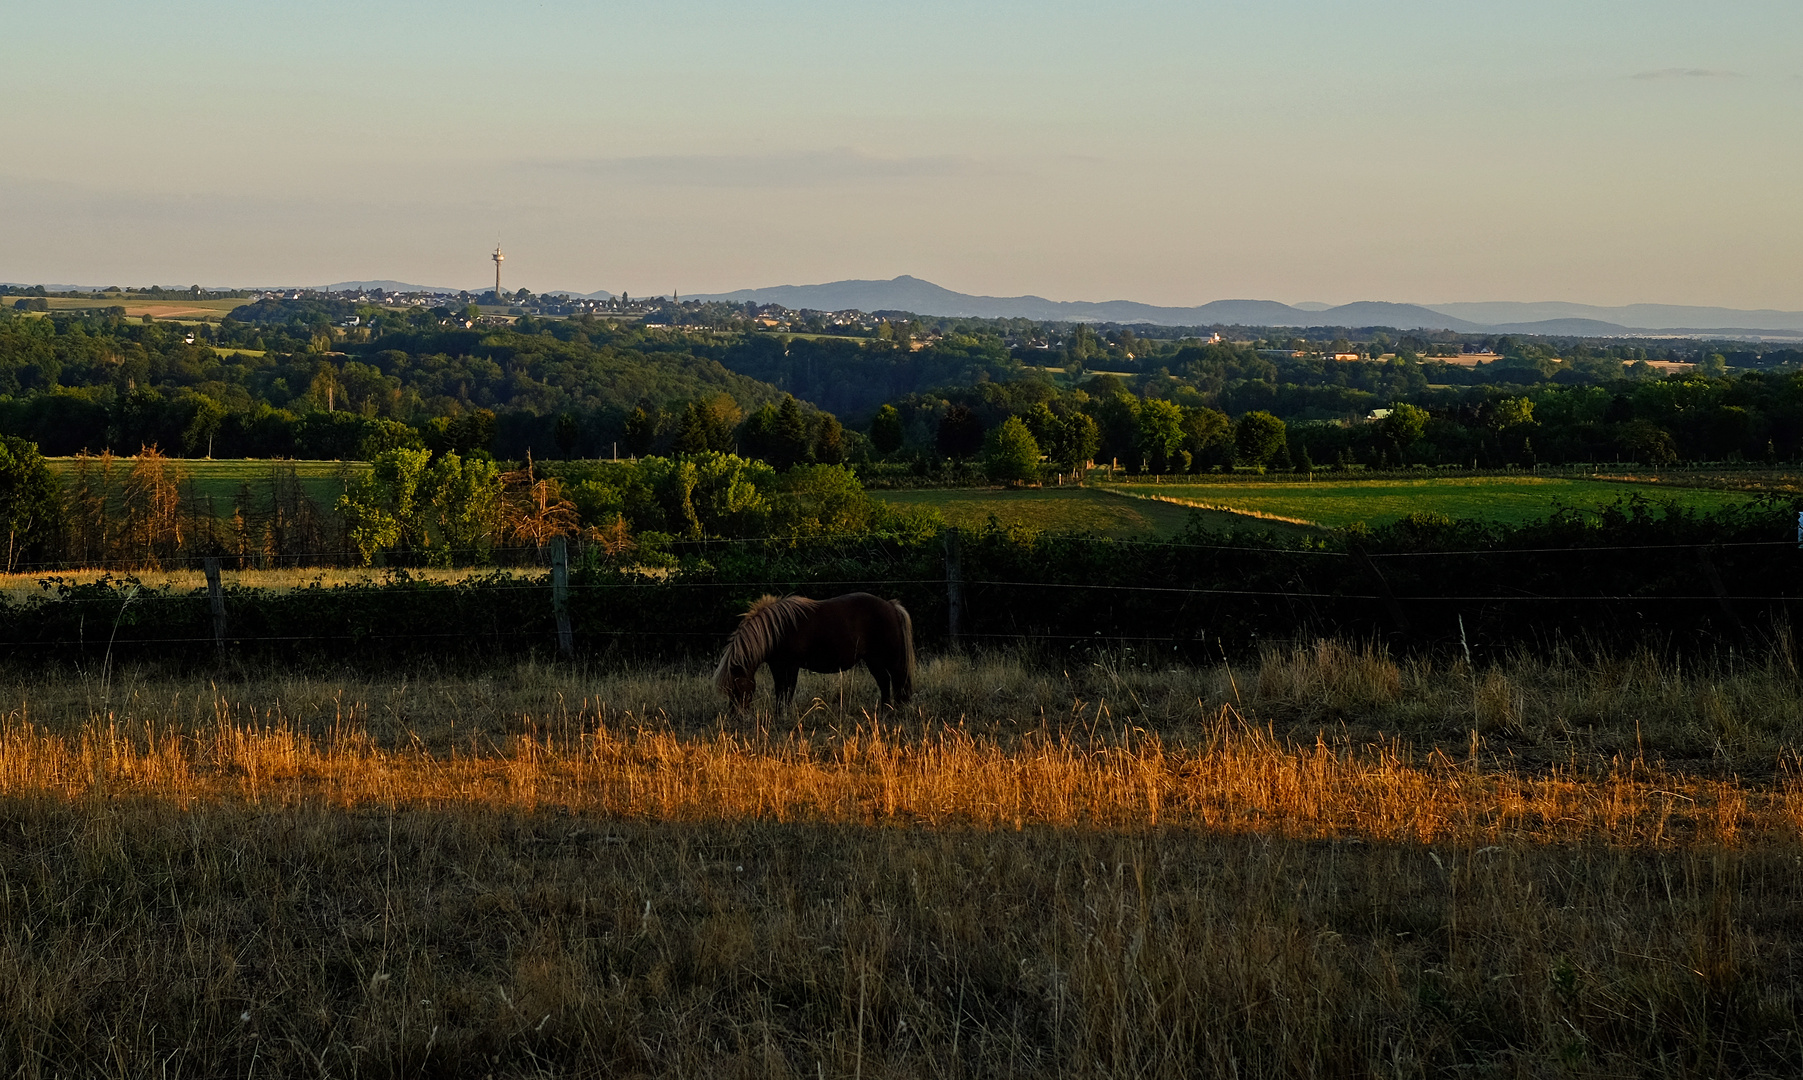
(1599, 151)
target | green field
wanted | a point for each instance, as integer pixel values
(1065, 510)
(220, 480)
(1335, 503)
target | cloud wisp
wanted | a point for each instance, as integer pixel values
(796, 169)
(1687, 73)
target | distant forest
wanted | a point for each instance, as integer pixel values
(290, 378)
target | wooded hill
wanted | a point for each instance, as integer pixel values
(288, 378)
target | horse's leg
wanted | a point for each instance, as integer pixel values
(785, 676)
(884, 681)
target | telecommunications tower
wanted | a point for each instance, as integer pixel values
(499, 259)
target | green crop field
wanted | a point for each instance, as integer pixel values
(1335, 503)
(1066, 509)
(323, 481)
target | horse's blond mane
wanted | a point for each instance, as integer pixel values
(767, 620)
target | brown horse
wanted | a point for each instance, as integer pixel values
(792, 632)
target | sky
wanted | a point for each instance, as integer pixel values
(1595, 151)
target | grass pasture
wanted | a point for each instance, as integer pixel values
(1062, 510)
(220, 479)
(1335, 503)
(1328, 862)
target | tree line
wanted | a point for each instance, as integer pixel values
(285, 379)
(413, 507)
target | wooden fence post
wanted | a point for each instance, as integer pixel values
(560, 595)
(1383, 590)
(954, 586)
(216, 594)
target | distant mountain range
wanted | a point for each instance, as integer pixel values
(911, 294)
(925, 298)
(385, 285)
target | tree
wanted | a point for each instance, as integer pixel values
(729, 495)
(1404, 425)
(568, 434)
(465, 496)
(691, 431)
(960, 432)
(1080, 440)
(886, 429)
(533, 509)
(151, 524)
(1258, 438)
(1042, 423)
(1645, 442)
(640, 433)
(793, 439)
(385, 508)
(829, 440)
(1511, 412)
(203, 426)
(818, 500)
(1117, 416)
(1207, 436)
(1160, 433)
(779, 434)
(29, 499)
(1012, 454)
(718, 416)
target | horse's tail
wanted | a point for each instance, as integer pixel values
(905, 690)
(723, 673)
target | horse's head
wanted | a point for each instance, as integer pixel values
(741, 684)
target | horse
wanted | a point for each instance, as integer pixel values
(793, 632)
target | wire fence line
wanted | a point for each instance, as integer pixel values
(530, 558)
(156, 595)
(1039, 588)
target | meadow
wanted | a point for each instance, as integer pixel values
(1336, 503)
(220, 479)
(1325, 861)
(1061, 510)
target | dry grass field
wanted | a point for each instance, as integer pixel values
(173, 308)
(1327, 862)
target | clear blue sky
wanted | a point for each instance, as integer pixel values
(1603, 152)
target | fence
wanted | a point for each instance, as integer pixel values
(1676, 582)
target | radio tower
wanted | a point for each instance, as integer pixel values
(499, 259)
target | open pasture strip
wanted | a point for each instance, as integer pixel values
(213, 485)
(1746, 480)
(1070, 509)
(1336, 503)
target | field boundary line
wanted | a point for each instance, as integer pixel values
(1196, 504)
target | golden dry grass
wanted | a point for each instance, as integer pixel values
(1237, 779)
(26, 586)
(1311, 865)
